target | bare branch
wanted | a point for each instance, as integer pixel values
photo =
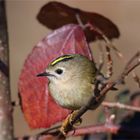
(105, 38)
(132, 64)
(136, 79)
(121, 106)
(101, 59)
(97, 100)
(109, 63)
(92, 129)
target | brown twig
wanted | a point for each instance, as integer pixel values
(136, 79)
(103, 129)
(101, 58)
(96, 100)
(132, 64)
(92, 129)
(109, 63)
(95, 129)
(105, 38)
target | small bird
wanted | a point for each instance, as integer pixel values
(71, 80)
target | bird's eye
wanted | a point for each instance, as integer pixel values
(59, 71)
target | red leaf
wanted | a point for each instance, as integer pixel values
(39, 108)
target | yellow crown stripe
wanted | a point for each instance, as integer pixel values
(61, 58)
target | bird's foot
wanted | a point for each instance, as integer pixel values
(67, 123)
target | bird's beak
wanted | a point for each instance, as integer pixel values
(44, 74)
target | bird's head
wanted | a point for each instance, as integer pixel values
(69, 67)
(61, 69)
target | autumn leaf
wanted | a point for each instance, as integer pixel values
(56, 14)
(40, 110)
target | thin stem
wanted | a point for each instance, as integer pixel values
(97, 100)
(121, 106)
(105, 38)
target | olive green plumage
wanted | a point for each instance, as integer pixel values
(71, 80)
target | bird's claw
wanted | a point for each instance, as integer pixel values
(64, 126)
(67, 123)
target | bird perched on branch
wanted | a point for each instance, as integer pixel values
(72, 83)
(71, 80)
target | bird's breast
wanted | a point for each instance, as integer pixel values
(71, 96)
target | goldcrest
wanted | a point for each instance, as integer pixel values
(71, 80)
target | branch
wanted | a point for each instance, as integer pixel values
(121, 106)
(136, 79)
(130, 66)
(96, 100)
(109, 63)
(6, 122)
(105, 38)
(92, 129)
